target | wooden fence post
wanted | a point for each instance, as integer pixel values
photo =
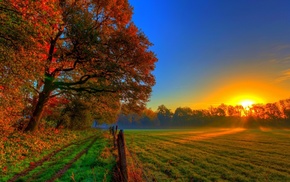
(114, 137)
(114, 133)
(122, 156)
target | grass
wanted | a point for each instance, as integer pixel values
(96, 165)
(21, 151)
(211, 154)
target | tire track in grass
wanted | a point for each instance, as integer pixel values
(47, 158)
(68, 165)
(49, 166)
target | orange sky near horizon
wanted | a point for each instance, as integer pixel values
(260, 82)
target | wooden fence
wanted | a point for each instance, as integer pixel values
(119, 142)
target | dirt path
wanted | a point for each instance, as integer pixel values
(51, 160)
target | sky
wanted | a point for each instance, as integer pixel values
(217, 51)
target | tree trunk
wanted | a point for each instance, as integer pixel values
(38, 109)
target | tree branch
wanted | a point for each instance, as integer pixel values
(53, 95)
(81, 81)
(89, 90)
(34, 89)
(66, 69)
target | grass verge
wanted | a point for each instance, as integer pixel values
(20, 151)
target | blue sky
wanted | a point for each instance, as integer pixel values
(217, 51)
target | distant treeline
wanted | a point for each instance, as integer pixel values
(274, 115)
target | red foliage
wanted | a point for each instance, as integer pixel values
(53, 103)
(4, 169)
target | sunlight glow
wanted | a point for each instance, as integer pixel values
(247, 104)
(246, 100)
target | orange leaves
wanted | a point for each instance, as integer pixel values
(53, 103)
(44, 15)
(32, 164)
(81, 46)
(4, 169)
(21, 157)
(132, 29)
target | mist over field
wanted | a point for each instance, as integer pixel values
(272, 115)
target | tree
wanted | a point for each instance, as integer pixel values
(217, 111)
(80, 113)
(183, 116)
(17, 42)
(91, 47)
(164, 115)
(285, 108)
(149, 114)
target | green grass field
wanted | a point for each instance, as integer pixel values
(211, 154)
(83, 156)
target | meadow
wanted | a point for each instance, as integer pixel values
(211, 154)
(57, 156)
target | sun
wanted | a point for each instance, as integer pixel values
(246, 100)
(247, 104)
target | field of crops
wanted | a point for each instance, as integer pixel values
(211, 154)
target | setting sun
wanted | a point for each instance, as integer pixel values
(246, 100)
(247, 103)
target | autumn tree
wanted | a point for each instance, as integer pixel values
(17, 42)
(88, 46)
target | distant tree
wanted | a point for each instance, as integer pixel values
(217, 111)
(182, 116)
(149, 114)
(239, 109)
(258, 110)
(149, 119)
(222, 110)
(164, 115)
(285, 108)
(272, 111)
(199, 113)
(231, 111)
